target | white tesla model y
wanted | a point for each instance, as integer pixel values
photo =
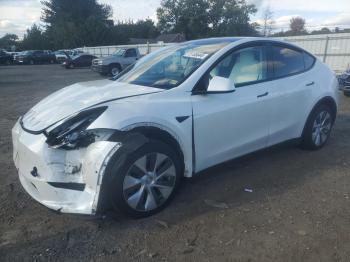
(125, 143)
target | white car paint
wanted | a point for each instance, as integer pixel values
(219, 127)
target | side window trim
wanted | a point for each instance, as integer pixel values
(268, 50)
(305, 53)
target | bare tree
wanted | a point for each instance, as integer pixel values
(297, 25)
(268, 22)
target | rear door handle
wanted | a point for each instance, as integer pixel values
(310, 84)
(262, 95)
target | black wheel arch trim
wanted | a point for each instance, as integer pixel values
(327, 100)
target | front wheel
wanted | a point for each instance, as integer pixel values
(318, 128)
(146, 181)
(114, 70)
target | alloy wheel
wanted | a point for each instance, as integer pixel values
(321, 128)
(149, 182)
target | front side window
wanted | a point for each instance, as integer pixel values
(119, 52)
(171, 67)
(286, 61)
(244, 66)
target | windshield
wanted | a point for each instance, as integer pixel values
(171, 67)
(27, 52)
(119, 52)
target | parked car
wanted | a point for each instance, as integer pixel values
(5, 58)
(126, 143)
(344, 82)
(13, 54)
(115, 63)
(35, 57)
(61, 56)
(81, 60)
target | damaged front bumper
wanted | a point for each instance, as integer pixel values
(67, 181)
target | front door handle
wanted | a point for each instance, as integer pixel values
(262, 95)
(310, 84)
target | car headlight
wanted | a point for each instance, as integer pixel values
(100, 62)
(72, 133)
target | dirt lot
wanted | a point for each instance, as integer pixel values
(299, 209)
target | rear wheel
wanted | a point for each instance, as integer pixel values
(31, 62)
(318, 128)
(146, 181)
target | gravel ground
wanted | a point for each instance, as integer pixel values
(299, 209)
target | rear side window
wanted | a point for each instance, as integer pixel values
(308, 61)
(286, 61)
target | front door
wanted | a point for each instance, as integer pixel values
(229, 125)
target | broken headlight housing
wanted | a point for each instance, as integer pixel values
(72, 133)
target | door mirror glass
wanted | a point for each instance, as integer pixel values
(220, 84)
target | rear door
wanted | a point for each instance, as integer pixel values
(291, 90)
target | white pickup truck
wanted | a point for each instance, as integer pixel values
(114, 64)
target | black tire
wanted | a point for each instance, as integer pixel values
(347, 93)
(31, 62)
(308, 140)
(120, 169)
(114, 68)
(71, 66)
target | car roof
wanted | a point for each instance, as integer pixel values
(215, 40)
(218, 40)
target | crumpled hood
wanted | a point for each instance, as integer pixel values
(77, 97)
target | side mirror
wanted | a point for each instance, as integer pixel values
(220, 84)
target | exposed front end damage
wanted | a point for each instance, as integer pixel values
(67, 181)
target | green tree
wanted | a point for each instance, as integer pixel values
(190, 17)
(201, 18)
(232, 18)
(144, 29)
(34, 39)
(76, 23)
(8, 41)
(324, 30)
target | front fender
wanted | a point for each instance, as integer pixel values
(128, 116)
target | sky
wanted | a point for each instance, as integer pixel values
(17, 15)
